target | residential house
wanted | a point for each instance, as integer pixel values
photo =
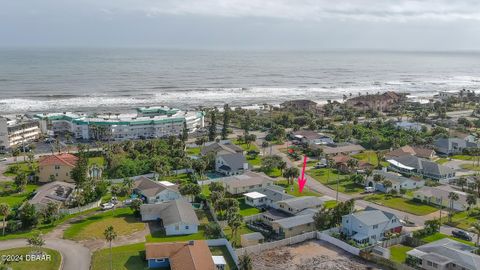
(56, 192)
(297, 204)
(57, 167)
(310, 137)
(155, 192)
(412, 165)
(342, 148)
(271, 195)
(411, 126)
(445, 254)
(243, 183)
(444, 95)
(378, 102)
(452, 146)
(300, 105)
(220, 148)
(398, 182)
(420, 152)
(439, 196)
(370, 226)
(231, 164)
(193, 255)
(177, 217)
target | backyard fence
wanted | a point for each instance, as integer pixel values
(385, 262)
(252, 217)
(325, 236)
(394, 241)
(81, 209)
(224, 242)
(270, 245)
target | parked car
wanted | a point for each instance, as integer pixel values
(3, 159)
(114, 200)
(320, 165)
(462, 235)
(369, 189)
(128, 201)
(107, 206)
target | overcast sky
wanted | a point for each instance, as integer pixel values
(243, 24)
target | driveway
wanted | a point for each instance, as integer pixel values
(75, 256)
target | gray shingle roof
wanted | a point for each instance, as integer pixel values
(424, 165)
(459, 253)
(172, 212)
(395, 178)
(226, 146)
(273, 194)
(149, 187)
(371, 217)
(294, 221)
(303, 202)
(234, 161)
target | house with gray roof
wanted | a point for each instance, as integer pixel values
(271, 195)
(297, 204)
(398, 181)
(151, 191)
(295, 225)
(231, 164)
(370, 226)
(177, 217)
(247, 182)
(445, 254)
(452, 146)
(57, 192)
(439, 196)
(221, 147)
(412, 165)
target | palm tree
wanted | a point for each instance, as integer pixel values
(387, 184)
(471, 200)
(4, 211)
(452, 196)
(352, 163)
(128, 184)
(234, 221)
(110, 235)
(245, 262)
(462, 182)
(476, 227)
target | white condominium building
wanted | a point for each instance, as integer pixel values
(18, 131)
(147, 122)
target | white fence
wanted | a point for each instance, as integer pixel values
(81, 209)
(252, 217)
(224, 242)
(325, 236)
(270, 245)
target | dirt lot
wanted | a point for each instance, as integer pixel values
(309, 255)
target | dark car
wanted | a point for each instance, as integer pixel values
(462, 235)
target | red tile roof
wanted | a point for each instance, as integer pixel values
(58, 159)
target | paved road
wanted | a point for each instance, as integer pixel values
(75, 256)
(359, 203)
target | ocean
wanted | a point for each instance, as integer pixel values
(38, 80)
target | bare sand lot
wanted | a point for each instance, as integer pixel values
(309, 255)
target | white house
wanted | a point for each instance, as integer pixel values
(155, 192)
(255, 199)
(370, 226)
(177, 217)
(247, 182)
(297, 204)
(439, 196)
(398, 182)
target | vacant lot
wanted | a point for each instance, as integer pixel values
(402, 204)
(308, 255)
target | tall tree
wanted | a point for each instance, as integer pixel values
(453, 197)
(226, 121)
(79, 172)
(184, 136)
(36, 240)
(4, 211)
(212, 129)
(476, 227)
(110, 235)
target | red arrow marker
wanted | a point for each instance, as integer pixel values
(302, 180)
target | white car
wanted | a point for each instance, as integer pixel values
(107, 206)
(369, 189)
(3, 159)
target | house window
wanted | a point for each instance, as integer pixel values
(186, 227)
(159, 260)
(57, 167)
(375, 226)
(429, 263)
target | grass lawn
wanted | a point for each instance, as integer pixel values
(295, 192)
(442, 160)
(470, 167)
(99, 161)
(130, 257)
(16, 198)
(398, 253)
(370, 157)
(461, 220)
(236, 240)
(310, 163)
(402, 204)
(246, 147)
(193, 151)
(247, 210)
(438, 236)
(254, 160)
(223, 251)
(329, 177)
(159, 236)
(330, 204)
(176, 178)
(22, 167)
(276, 172)
(53, 264)
(205, 190)
(121, 219)
(462, 157)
